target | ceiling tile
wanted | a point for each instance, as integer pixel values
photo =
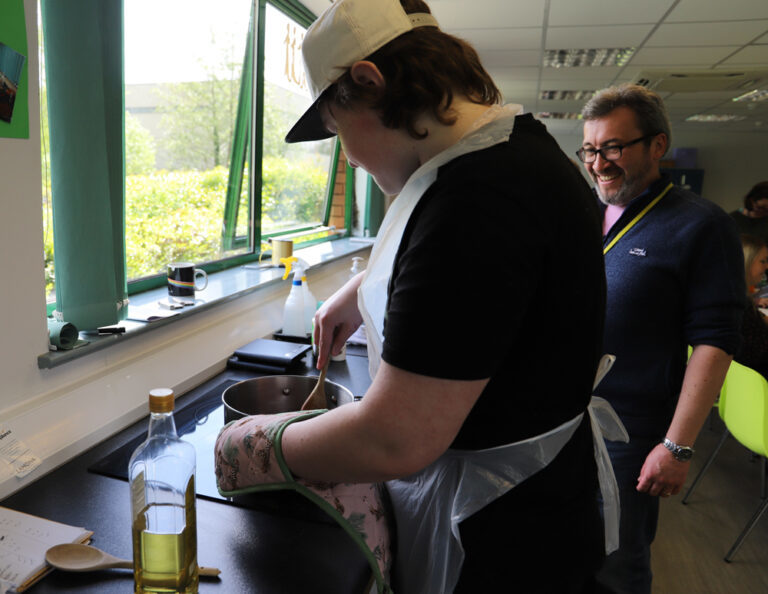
(753, 54)
(527, 100)
(592, 36)
(680, 56)
(601, 12)
(317, 6)
(697, 34)
(732, 10)
(459, 14)
(521, 73)
(491, 58)
(561, 106)
(562, 127)
(502, 39)
(701, 96)
(519, 86)
(588, 74)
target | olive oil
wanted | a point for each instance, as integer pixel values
(164, 562)
(162, 484)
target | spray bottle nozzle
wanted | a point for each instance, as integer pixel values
(288, 263)
(301, 265)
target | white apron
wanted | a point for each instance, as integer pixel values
(430, 505)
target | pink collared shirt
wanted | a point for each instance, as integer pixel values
(611, 215)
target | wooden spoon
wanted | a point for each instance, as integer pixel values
(316, 398)
(81, 557)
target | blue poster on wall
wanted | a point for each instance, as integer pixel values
(14, 85)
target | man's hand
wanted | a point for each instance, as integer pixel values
(662, 475)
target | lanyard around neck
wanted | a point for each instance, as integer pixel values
(639, 216)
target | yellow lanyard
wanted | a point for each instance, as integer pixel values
(639, 216)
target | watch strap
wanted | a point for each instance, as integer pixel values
(680, 453)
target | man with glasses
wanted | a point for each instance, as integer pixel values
(675, 278)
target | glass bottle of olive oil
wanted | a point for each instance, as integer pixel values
(162, 483)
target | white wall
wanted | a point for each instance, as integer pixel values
(22, 299)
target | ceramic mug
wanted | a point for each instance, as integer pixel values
(281, 248)
(182, 277)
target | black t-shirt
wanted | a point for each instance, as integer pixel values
(500, 275)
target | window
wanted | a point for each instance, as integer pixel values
(294, 176)
(196, 128)
(182, 92)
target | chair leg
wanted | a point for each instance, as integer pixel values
(706, 466)
(744, 533)
(713, 414)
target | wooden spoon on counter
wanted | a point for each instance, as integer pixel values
(81, 557)
(316, 398)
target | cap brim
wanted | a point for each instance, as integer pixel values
(309, 127)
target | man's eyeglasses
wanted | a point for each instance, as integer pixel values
(608, 153)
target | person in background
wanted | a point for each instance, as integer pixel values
(674, 278)
(476, 415)
(752, 219)
(754, 326)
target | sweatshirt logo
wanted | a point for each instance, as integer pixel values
(637, 251)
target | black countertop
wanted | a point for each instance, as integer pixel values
(260, 551)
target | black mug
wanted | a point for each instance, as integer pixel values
(182, 277)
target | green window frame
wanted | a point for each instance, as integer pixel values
(98, 23)
(249, 126)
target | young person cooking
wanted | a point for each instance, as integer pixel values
(477, 413)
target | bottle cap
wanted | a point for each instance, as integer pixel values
(161, 400)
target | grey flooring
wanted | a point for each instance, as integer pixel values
(692, 539)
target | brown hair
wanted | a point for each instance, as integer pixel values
(650, 113)
(423, 69)
(758, 191)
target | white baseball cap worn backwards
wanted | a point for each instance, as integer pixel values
(349, 31)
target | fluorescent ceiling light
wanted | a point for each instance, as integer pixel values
(566, 95)
(756, 95)
(575, 58)
(711, 117)
(558, 115)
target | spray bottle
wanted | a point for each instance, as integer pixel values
(358, 336)
(309, 303)
(293, 312)
(357, 266)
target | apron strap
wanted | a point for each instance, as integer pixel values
(607, 425)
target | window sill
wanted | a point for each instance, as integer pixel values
(223, 287)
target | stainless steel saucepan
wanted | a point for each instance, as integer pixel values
(277, 393)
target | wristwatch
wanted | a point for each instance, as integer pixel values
(681, 453)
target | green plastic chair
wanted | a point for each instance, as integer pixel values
(746, 418)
